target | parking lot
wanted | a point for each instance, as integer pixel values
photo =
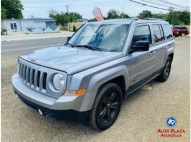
(142, 113)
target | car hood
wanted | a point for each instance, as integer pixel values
(70, 60)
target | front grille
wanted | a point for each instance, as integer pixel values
(33, 78)
(39, 78)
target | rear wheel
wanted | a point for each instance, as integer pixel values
(165, 72)
(183, 35)
(106, 107)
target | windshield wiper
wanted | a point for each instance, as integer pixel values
(89, 47)
(71, 45)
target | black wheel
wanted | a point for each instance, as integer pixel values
(165, 72)
(106, 106)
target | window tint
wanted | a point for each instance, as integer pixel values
(168, 31)
(141, 33)
(162, 32)
(184, 28)
(158, 34)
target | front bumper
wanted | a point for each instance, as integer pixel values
(65, 107)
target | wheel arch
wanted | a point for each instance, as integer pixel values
(118, 75)
(171, 56)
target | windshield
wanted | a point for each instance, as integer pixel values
(103, 37)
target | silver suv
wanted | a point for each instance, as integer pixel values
(88, 77)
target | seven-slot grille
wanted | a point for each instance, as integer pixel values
(34, 78)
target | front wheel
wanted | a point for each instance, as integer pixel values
(106, 106)
(165, 72)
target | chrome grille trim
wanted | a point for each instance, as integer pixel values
(39, 78)
(32, 77)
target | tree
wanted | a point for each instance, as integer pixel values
(113, 14)
(11, 9)
(160, 16)
(145, 14)
(73, 16)
(63, 17)
(124, 15)
(173, 17)
(185, 17)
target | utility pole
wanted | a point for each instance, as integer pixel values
(67, 17)
(171, 9)
(122, 9)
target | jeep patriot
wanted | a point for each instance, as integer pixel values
(89, 76)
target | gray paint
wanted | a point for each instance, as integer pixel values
(90, 69)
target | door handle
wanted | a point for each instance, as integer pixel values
(152, 53)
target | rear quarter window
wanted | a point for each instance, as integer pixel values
(168, 31)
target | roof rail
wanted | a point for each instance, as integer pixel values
(153, 19)
(133, 18)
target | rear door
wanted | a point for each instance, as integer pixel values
(158, 50)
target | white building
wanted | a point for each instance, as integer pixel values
(28, 25)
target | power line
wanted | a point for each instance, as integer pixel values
(161, 4)
(148, 5)
(171, 3)
(144, 4)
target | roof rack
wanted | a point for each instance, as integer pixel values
(133, 18)
(153, 19)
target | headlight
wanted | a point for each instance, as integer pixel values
(58, 81)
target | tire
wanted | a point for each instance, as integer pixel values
(183, 35)
(166, 71)
(106, 106)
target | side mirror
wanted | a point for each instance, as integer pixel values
(140, 46)
(68, 38)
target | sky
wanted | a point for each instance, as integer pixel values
(40, 8)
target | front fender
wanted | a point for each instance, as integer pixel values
(99, 79)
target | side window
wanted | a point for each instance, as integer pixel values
(184, 28)
(158, 33)
(162, 32)
(168, 31)
(141, 33)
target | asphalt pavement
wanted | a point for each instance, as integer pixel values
(12, 49)
(142, 113)
(22, 36)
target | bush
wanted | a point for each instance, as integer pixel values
(74, 28)
(63, 28)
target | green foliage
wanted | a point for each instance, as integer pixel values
(74, 28)
(173, 17)
(124, 15)
(185, 17)
(179, 18)
(63, 17)
(11, 9)
(92, 20)
(160, 16)
(113, 14)
(145, 14)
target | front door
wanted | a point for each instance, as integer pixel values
(141, 62)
